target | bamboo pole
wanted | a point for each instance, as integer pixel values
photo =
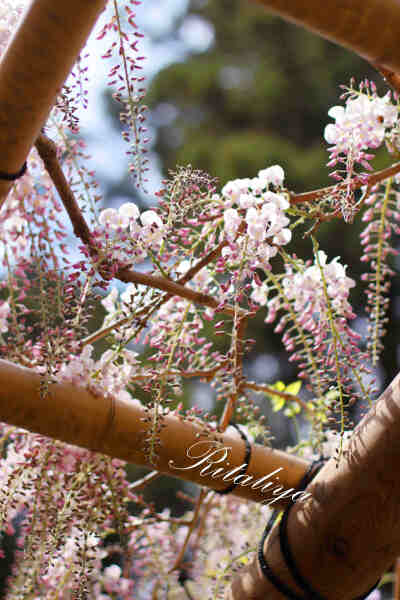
(33, 68)
(118, 428)
(368, 27)
(350, 527)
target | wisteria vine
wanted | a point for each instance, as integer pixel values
(195, 267)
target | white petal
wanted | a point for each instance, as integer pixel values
(274, 175)
(149, 217)
(331, 134)
(130, 210)
(336, 112)
(108, 216)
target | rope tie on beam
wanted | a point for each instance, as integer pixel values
(286, 551)
(13, 176)
(247, 458)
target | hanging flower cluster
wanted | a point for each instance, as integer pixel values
(223, 548)
(361, 124)
(126, 78)
(104, 376)
(382, 222)
(314, 300)
(255, 223)
(318, 284)
(131, 235)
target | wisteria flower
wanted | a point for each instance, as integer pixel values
(361, 124)
(272, 175)
(307, 288)
(4, 314)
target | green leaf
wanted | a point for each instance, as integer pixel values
(292, 410)
(255, 428)
(332, 395)
(277, 403)
(294, 388)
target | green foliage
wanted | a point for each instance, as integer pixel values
(279, 402)
(260, 95)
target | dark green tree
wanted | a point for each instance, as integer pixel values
(258, 96)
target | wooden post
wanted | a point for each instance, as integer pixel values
(33, 68)
(348, 532)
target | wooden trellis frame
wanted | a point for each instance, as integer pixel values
(350, 528)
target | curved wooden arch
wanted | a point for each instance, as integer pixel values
(368, 27)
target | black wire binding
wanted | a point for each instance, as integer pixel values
(13, 176)
(311, 594)
(247, 458)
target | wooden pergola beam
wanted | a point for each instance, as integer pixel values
(119, 428)
(347, 533)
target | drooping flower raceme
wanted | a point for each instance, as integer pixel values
(255, 223)
(131, 234)
(306, 289)
(315, 303)
(360, 125)
(102, 376)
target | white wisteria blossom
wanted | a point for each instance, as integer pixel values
(307, 288)
(361, 124)
(255, 219)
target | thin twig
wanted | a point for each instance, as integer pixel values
(370, 180)
(202, 263)
(202, 374)
(140, 483)
(229, 408)
(202, 522)
(266, 389)
(47, 150)
(166, 285)
(201, 497)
